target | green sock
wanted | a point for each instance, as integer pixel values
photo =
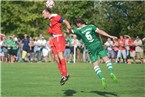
(109, 66)
(98, 72)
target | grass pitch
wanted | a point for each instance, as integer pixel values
(42, 80)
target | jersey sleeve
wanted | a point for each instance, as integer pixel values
(59, 19)
(75, 31)
(95, 28)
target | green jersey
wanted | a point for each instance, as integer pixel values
(88, 35)
(11, 44)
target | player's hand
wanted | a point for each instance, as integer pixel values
(68, 30)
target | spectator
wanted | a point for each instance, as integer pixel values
(139, 49)
(76, 44)
(19, 52)
(41, 44)
(67, 50)
(12, 49)
(5, 50)
(50, 53)
(71, 47)
(45, 51)
(9, 47)
(86, 56)
(25, 47)
(116, 48)
(36, 49)
(132, 49)
(31, 44)
(126, 37)
(81, 49)
(110, 49)
(1, 49)
(15, 38)
(122, 50)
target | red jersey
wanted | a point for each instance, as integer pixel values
(55, 24)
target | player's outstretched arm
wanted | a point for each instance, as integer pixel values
(104, 33)
(67, 25)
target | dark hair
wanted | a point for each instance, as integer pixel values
(48, 9)
(78, 20)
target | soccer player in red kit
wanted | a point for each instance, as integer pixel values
(57, 42)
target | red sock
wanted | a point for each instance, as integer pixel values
(60, 67)
(64, 69)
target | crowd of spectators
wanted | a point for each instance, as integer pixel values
(37, 49)
(125, 49)
(28, 49)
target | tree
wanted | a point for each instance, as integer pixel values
(115, 17)
(19, 17)
(125, 17)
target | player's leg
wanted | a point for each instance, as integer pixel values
(103, 55)
(98, 70)
(55, 52)
(65, 75)
(53, 44)
(60, 47)
(94, 59)
(63, 63)
(58, 63)
(110, 68)
(61, 69)
(99, 73)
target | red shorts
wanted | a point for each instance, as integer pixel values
(57, 44)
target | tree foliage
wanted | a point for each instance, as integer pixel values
(115, 17)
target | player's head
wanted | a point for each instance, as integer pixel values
(46, 13)
(79, 22)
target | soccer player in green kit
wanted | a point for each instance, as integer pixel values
(88, 33)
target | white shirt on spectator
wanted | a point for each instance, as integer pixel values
(109, 45)
(42, 42)
(138, 48)
(126, 43)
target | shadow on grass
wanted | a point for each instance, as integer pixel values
(69, 92)
(103, 93)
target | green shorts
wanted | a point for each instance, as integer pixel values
(96, 53)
